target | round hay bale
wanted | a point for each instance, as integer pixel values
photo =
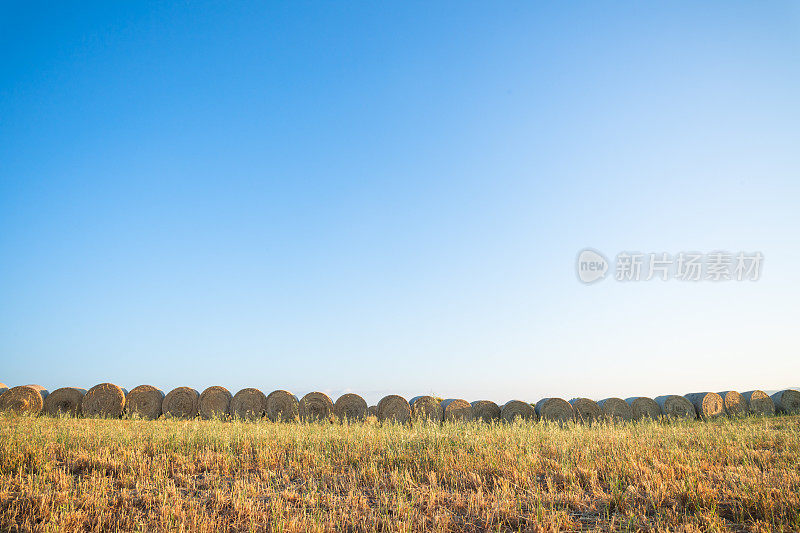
(457, 410)
(350, 407)
(586, 410)
(181, 402)
(555, 410)
(514, 409)
(644, 407)
(249, 404)
(759, 402)
(616, 409)
(144, 401)
(734, 403)
(485, 411)
(394, 408)
(105, 400)
(707, 404)
(282, 406)
(372, 410)
(315, 407)
(24, 399)
(43, 392)
(426, 408)
(66, 400)
(787, 401)
(215, 402)
(674, 406)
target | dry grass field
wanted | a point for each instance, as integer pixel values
(81, 474)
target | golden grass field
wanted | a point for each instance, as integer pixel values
(167, 475)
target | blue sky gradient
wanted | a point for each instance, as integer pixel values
(389, 198)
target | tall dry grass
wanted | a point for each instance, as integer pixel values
(66, 474)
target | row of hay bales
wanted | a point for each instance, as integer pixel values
(148, 402)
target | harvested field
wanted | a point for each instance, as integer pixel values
(71, 474)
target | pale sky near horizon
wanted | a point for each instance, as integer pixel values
(390, 198)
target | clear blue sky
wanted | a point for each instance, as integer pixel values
(390, 197)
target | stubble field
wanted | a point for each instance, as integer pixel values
(167, 475)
